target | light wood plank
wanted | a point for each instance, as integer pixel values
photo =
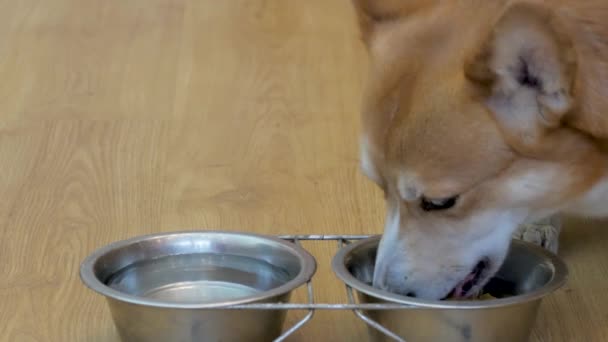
(120, 118)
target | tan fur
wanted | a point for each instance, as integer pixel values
(431, 131)
(442, 117)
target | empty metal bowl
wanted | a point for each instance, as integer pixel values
(172, 287)
(528, 274)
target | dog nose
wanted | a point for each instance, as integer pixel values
(379, 284)
(379, 279)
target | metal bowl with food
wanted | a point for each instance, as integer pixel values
(172, 286)
(528, 274)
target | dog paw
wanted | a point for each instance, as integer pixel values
(544, 233)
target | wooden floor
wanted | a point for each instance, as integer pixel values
(120, 118)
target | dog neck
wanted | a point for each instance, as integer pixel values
(593, 204)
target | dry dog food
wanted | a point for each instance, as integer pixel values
(486, 296)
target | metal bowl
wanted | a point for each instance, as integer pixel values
(531, 272)
(172, 286)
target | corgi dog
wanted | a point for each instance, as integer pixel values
(479, 117)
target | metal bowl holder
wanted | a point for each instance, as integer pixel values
(311, 306)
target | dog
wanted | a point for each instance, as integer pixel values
(480, 117)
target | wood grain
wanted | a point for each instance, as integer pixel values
(120, 118)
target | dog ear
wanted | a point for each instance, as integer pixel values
(526, 68)
(371, 13)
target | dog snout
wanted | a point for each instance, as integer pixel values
(393, 274)
(416, 271)
(428, 281)
(395, 278)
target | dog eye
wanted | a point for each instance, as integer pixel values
(437, 204)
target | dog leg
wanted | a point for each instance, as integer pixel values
(544, 233)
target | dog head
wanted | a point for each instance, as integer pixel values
(463, 128)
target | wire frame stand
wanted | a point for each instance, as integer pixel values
(310, 306)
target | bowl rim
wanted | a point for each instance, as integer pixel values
(558, 279)
(87, 275)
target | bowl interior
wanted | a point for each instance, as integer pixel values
(527, 270)
(198, 268)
